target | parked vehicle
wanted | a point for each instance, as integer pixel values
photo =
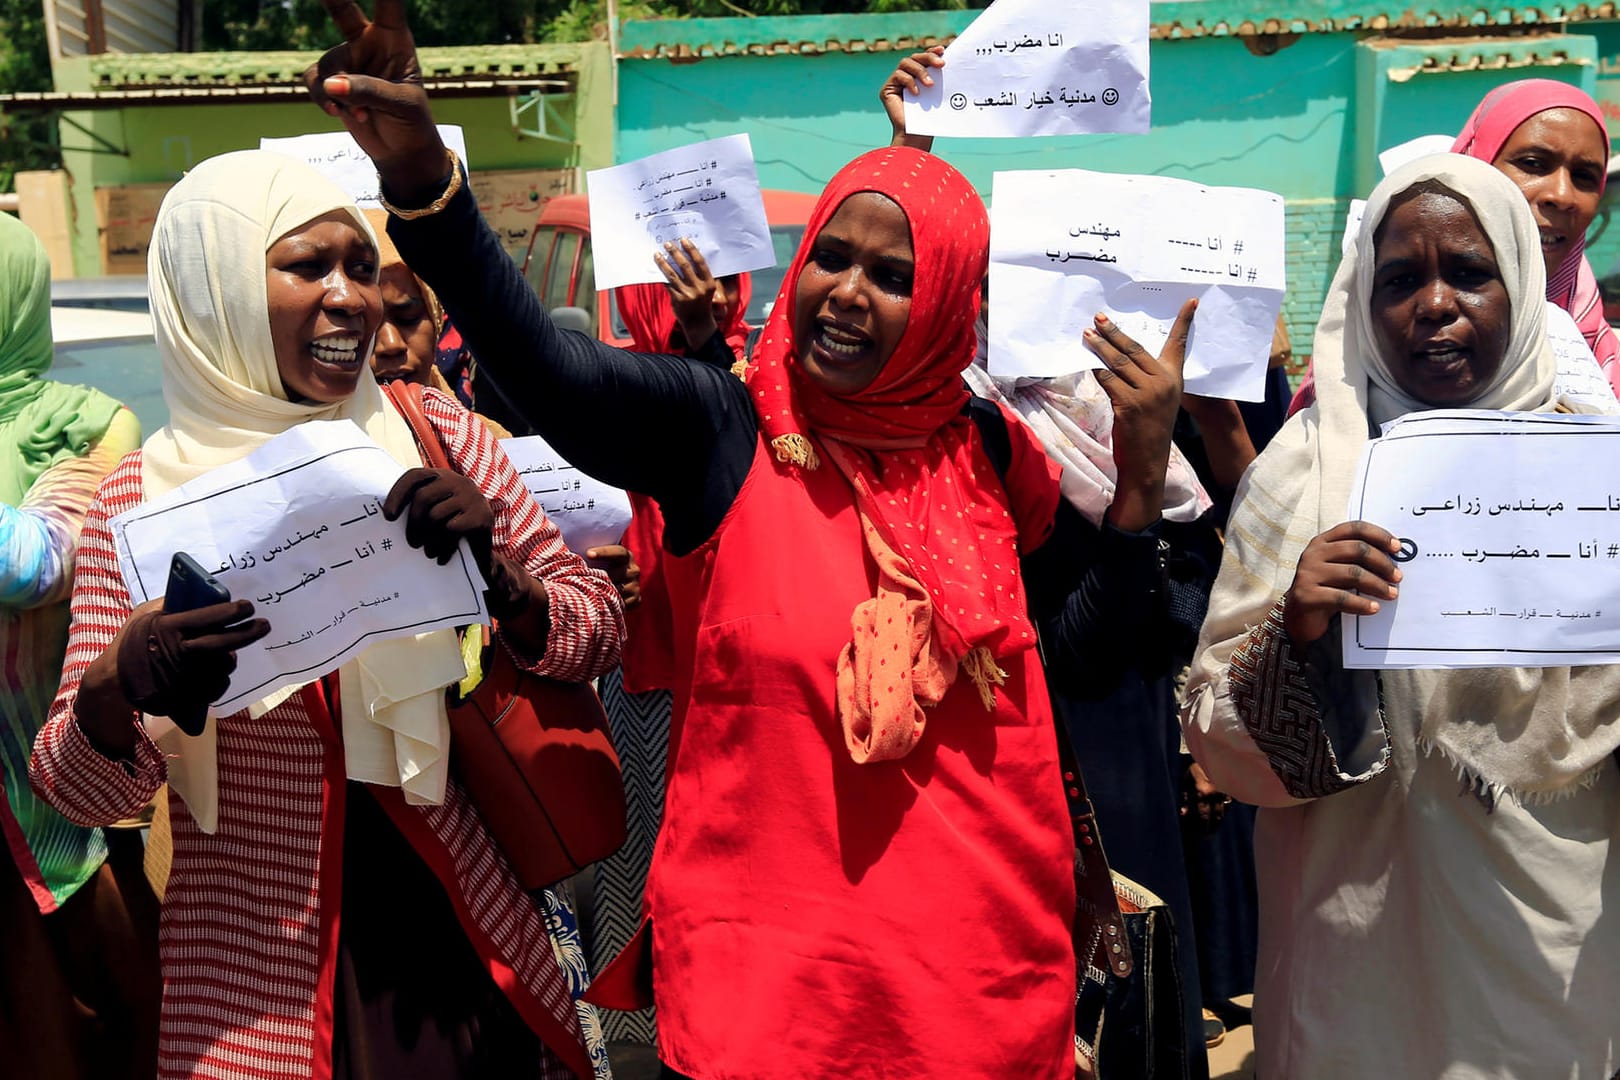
(102, 329)
(560, 268)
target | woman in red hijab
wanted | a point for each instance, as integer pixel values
(693, 306)
(866, 863)
(1550, 139)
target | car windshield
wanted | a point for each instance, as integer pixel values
(125, 369)
(103, 339)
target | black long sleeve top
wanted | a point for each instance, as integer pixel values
(683, 431)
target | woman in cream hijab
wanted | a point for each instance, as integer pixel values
(1436, 890)
(336, 906)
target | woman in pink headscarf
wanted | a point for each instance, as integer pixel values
(1549, 138)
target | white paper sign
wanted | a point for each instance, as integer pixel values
(1510, 531)
(1580, 379)
(335, 155)
(1422, 146)
(296, 527)
(1352, 224)
(708, 191)
(1035, 67)
(588, 512)
(1066, 245)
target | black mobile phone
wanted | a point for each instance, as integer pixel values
(191, 587)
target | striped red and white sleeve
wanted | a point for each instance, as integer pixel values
(66, 771)
(587, 617)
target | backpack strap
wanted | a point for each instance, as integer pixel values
(1099, 929)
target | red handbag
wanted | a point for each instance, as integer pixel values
(533, 754)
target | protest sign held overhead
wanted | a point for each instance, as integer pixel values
(1068, 244)
(1032, 67)
(708, 191)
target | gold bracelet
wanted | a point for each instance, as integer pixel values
(437, 204)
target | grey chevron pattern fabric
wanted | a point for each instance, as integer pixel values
(640, 726)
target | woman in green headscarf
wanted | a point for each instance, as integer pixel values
(79, 988)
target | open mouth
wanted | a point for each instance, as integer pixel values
(1552, 239)
(341, 351)
(840, 343)
(1442, 361)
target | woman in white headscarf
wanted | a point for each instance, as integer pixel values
(1411, 925)
(336, 906)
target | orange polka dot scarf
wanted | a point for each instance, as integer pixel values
(934, 515)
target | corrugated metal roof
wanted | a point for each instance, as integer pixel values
(258, 93)
(128, 26)
(693, 39)
(481, 63)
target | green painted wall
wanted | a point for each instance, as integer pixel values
(165, 140)
(1220, 115)
(1305, 121)
(1603, 247)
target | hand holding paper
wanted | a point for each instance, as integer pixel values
(708, 191)
(1034, 67)
(909, 78)
(172, 661)
(297, 528)
(1135, 248)
(1507, 530)
(692, 289)
(1344, 571)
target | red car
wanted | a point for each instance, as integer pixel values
(559, 265)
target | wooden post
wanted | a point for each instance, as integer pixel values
(95, 27)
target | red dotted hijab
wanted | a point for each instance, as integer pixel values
(934, 515)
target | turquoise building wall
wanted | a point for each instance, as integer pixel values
(1301, 110)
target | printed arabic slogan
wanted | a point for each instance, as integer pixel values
(297, 528)
(588, 512)
(1510, 541)
(1034, 67)
(335, 155)
(708, 191)
(1134, 248)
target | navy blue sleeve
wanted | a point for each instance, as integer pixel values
(680, 430)
(1099, 598)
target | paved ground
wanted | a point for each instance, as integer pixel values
(1234, 1058)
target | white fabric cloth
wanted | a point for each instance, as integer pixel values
(1406, 928)
(1074, 419)
(210, 308)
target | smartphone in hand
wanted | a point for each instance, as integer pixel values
(191, 587)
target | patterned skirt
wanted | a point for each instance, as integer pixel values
(640, 726)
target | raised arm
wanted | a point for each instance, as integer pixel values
(676, 429)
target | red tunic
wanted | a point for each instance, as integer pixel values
(250, 919)
(813, 917)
